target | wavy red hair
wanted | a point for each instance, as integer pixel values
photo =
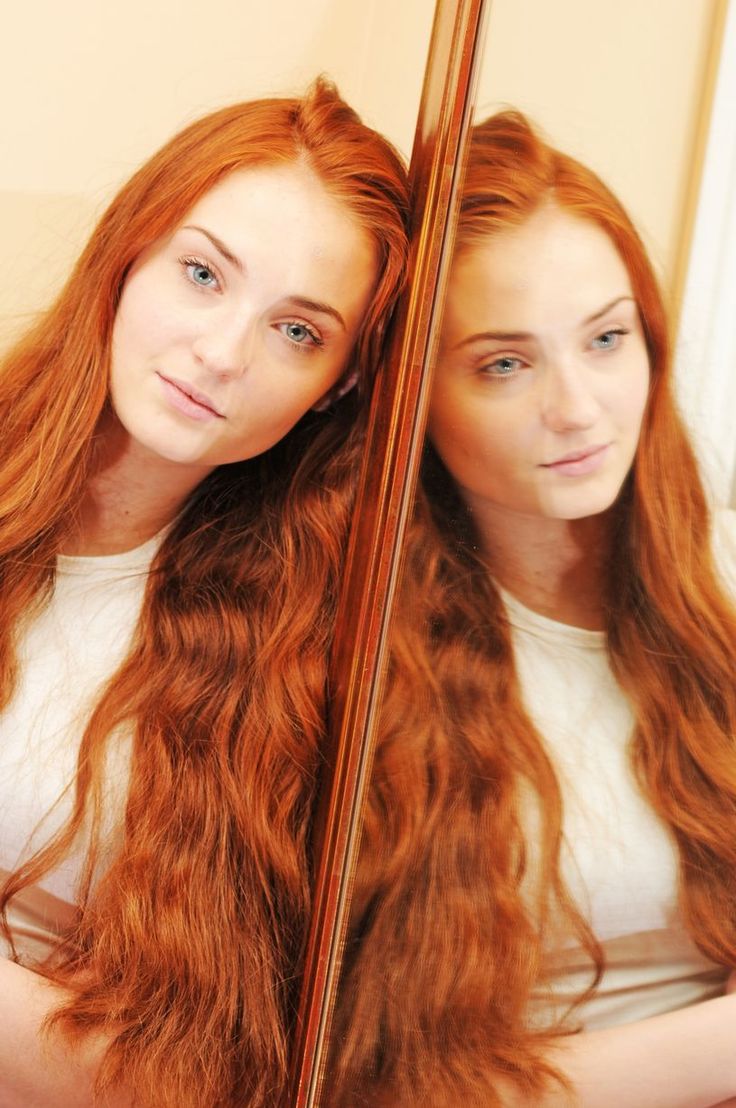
(443, 951)
(189, 945)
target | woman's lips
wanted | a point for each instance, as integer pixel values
(579, 462)
(187, 400)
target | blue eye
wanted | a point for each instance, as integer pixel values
(299, 334)
(502, 367)
(199, 273)
(609, 340)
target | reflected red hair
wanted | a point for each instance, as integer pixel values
(189, 945)
(443, 950)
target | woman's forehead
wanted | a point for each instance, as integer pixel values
(553, 261)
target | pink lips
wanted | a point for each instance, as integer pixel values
(579, 462)
(187, 400)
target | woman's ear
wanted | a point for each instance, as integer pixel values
(333, 395)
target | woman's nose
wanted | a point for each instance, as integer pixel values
(225, 345)
(569, 403)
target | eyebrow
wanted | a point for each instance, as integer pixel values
(524, 336)
(298, 301)
(317, 306)
(218, 245)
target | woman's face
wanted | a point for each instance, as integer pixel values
(231, 328)
(543, 373)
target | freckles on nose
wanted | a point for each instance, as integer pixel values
(568, 403)
(222, 351)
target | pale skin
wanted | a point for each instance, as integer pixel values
(38, 1070)
(254, 304)
(536, 409)
(558, 366)
(228, 331)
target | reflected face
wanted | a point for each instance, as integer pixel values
(230, 329)
(543, 373)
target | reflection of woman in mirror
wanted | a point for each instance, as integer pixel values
(175, 483)
(550, 845)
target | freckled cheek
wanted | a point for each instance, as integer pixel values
(639, 385)
(463, 430)
(506, 441)
(631, 409)
(267, 415)
(142, 326)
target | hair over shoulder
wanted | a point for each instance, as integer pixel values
(443, 950)
(190, 943)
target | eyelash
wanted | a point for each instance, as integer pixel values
(190, 261)
(611, 331)
(303, 348)
(487, 368)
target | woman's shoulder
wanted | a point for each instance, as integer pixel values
(724, 547)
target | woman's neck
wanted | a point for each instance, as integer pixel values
(555, 567)
(131, 496)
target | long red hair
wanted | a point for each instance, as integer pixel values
(189, 944)
(444, 949)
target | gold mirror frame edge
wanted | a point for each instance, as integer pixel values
(392, 454)
(695, 180)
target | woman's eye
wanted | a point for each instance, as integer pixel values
(502, 367)
(300, 334)
(609, 339)
(199, 273)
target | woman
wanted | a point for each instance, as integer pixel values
(177, 467)
(553, 811)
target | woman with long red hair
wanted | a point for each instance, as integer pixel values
(545, 903)
(180, 438)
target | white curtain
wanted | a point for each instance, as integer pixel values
(705, 363)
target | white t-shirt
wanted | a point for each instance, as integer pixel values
(618, 859)
(66, 653)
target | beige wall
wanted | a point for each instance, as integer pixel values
(616, 83)
(96, 86)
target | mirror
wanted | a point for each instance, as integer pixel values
(427, 997)
(97, 92)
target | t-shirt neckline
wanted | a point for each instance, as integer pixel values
(137, 559)
(525, 619)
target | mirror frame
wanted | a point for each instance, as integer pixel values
(385, 494)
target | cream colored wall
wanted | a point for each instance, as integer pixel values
(618, 85)
(97, 86)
